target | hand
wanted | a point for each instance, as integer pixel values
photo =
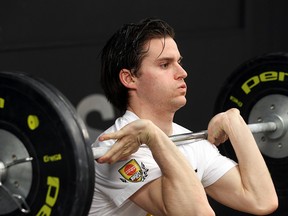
(217, 127)
(129, 139)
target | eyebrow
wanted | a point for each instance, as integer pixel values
(168, 59)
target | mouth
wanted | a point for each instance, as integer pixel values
(183, 86)
(183, 89)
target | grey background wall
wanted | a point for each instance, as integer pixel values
(60, 41)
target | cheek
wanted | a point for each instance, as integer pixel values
(154, 84)
(157, 84)
(147, 81)
(150, 87)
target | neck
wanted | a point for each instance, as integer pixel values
(161, 119)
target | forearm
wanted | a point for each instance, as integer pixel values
(182, 192)
(256, 179)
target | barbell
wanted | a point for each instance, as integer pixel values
(46, 159)
(268, 128)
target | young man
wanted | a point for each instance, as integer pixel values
(144, 172)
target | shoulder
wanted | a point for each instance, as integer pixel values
(118, 124)
(122, 121)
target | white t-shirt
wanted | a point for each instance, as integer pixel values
(116, 183)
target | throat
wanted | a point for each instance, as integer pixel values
(161, 119)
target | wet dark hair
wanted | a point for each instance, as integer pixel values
(125, 50)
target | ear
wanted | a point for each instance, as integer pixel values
(127, 78)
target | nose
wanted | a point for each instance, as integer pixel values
(180, 72)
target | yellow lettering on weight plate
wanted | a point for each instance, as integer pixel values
(250, 83)
(51, 196)
(282, 76)
(52, 158)
(45, 210)
(53, 185)
(236, 101)
(266, 76)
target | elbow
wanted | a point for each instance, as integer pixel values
(268, 206)
(199, 212)
(205, 211)
(272, 206)
(211, 213)
(275, 204)
(202, 213)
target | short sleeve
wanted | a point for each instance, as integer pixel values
(216, 165)
(121, 180)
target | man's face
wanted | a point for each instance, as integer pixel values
(161, 83)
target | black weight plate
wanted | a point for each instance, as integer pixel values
(254, 79)
(57, 140)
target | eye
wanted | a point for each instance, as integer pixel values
(164, 65)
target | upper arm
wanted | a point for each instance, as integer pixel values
(229, 191)
(149, 197)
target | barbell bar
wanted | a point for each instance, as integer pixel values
(262, 127)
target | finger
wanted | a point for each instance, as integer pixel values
(114, 154)
(211, 139)
(120, 149)
(220, 140)
(108, 155)
(217, 137)
(124, 158)
(126, 149)
(113, 135)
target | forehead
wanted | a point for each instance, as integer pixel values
(162, 48)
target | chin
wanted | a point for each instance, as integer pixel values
(184, 101)
(181, 103)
